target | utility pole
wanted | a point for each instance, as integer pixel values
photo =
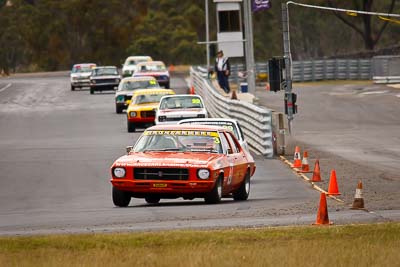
(207, 35)
(288, 64)
(249, 48)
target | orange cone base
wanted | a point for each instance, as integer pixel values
(333, 194)
(327, 224)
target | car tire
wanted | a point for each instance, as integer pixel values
(118, 109)
(167, 86)
(152, 200)
(215, 195)
(91, 91)
(72, 88)
(244, 190)
(120, 198)
(131, 127)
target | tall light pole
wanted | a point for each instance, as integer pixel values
(207, 35)
(249, 47)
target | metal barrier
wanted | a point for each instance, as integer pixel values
(386, 69)
(314, 70)
(255, 121)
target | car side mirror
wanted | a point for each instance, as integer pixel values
(129, 149)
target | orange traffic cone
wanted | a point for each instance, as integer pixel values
(333, 186)
(305, 167)
(192, 90)
(297, 158)
(267, 87)
(322, 215)
(234, 95)
(358, 203)
(171, 68)
(316, 173)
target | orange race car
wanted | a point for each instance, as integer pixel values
(188, 161)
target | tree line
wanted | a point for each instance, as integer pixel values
(52, 35)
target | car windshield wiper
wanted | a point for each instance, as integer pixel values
(163, 149)
(203, 150)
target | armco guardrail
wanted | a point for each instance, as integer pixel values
(315, 70)
(386, 69)
(255, 121)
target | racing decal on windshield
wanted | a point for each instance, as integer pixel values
(196, 101)
(189, 133)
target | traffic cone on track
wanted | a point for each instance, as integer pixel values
(316, 173)
(358, 202)
(322, 215)
(305, 167)
(296, 158)
(192, 90)
(333, 186)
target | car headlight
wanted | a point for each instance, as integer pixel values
(93, 81)
(119, 172)
(117, 80)
(132, 114)
(203, 174)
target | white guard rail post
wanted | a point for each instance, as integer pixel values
(255, 121)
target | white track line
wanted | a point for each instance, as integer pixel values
(5, 87)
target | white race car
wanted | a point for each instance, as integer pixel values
(173, 108)
(80, 75)
(129, 67)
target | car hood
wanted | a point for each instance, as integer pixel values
(179, 112)
(129, 67)
(153, 73)
(83, 74)
(125, 92)
(147, 106)
(166, 159)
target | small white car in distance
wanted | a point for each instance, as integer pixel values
(80, 75)
(129, 66)
(173, 108)
(229, 124)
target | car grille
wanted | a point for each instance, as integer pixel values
(100, 81)
(148, 114)
(160, 174)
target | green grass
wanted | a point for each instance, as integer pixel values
(351, 245)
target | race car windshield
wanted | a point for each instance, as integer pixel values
(81, 69)
(183, 141)
(105, 71)
(179, 102)
(224, 124)
(149, 68)
(148, 98)
(133, 85)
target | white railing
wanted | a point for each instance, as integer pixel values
(255, 121)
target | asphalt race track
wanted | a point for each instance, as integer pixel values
(56, 147)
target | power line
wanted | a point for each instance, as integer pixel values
(345, 10)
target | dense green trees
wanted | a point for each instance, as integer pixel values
(52, 35)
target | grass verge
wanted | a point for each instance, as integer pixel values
(350, 245)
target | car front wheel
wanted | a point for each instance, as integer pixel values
(118, 109)
(244, 190)
(152, 200)
(131, 127)
(215, 195)
(120, 198)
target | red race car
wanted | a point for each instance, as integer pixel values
(188, 161)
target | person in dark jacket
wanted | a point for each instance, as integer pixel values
(223, 70)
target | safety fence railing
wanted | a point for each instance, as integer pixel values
(316, 70)
(386, 69)
(255, 121)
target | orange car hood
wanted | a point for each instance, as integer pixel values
(160, 159)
